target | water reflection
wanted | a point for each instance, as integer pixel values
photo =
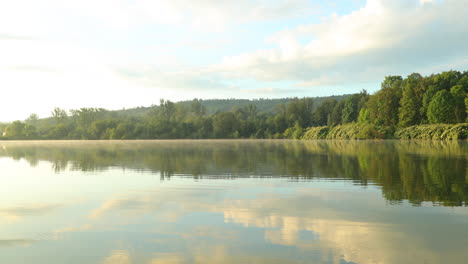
(331, 202)
(417, 171)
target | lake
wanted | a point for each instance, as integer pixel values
(241, 201)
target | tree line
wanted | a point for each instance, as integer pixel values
(400, 103)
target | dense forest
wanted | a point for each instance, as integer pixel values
(411, 107)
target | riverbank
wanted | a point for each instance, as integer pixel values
(353, 131)
(367, 131)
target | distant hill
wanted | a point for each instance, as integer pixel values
(222, 105)
(266, 106)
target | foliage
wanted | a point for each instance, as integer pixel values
(383, 106)
(322, 113)
(434, 132)
(442, 108)
(225, 125)
(355, 131)
(294, 132)
(411, 100)
(401, 102)
(316, 133)
(460, 94)
(352, 106)
(346, 131)
(335, 117)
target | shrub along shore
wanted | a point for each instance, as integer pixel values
(367, 131)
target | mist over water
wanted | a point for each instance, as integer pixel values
(238, 201)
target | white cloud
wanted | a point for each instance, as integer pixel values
(425, 1)
(383, 37)
(215, 14)
(118, 257)
(29, 16)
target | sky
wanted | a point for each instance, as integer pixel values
(119, 54)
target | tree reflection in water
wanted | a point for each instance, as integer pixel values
(416, 171)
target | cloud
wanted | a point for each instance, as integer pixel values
(72, 229)
(118, 257)
(271, 91)
(383, 37)
(217, 14)
(167, 259)
(41, 18)
(16, 242)
(30, 210)
(151, 201)
(195, 78)
(31, 68)
(196, 82)
(425, 1)
(14, 37)
(342, 233)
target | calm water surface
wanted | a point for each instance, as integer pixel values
(236, 202)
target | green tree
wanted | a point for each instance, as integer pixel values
(59, 131)
(32, 119)
(442, 107)
(16, 130)
(167, 110)
(335, 118)
(411, 101)
(459, 94)
(466, 109)
(225, 125)
(101, 129)
(197, 108)
(30, 132)
(364, 117)
(279, 121)
(438, 82)
(322, 113)
(351, 108)
(383, 105)
(83, 119)
(300, 110)
(59, 115)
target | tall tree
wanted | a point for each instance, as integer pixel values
(442, 107)
(335, 117)
(16, 130)
(352, 107)
(300, 110)
(59, 115)
(225, 125)
(197, 108)
(411, 101)
(383, 105)
(459, 94)
(442, 81)
(32, 119)
(323, 112)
